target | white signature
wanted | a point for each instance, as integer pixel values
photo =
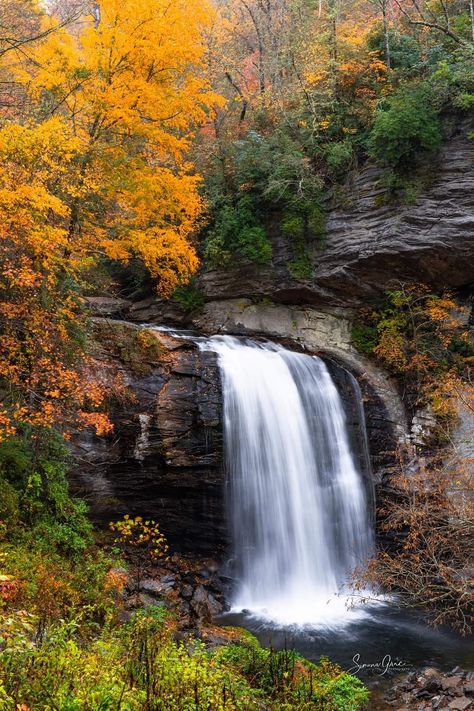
(380, 668)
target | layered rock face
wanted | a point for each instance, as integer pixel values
(164, 458)
(370, 242)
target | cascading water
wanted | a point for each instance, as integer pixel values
(298, 504)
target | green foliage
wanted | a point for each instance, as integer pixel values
(293, 682)
(453, 80)
(404, 188)
(317, 223)
(364, 337)
(338, 156)
(404, 49)
(34, 492)
(237, 231)
(405, 127)
(299, 228)
(269, 173)
(190, 298)
(293, 226)
(139, 667)
(301, 267)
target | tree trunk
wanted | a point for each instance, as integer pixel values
(387, 35)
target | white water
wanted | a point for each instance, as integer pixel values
(299, 512)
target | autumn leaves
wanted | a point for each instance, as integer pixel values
(93, 155)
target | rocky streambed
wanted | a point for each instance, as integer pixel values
(429, 690)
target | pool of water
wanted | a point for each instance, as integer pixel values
(383, 643)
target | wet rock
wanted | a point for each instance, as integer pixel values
(158, 587)
(151, 586)
(468, 689)
(110, 306)
(187, 592)
(142, 600)
(167, 582)
(204, 604)
(461, 704)
(433, 690)
(452, 685)
(164, 458)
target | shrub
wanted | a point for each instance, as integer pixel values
(190, 298)
(429, 514)
(418, 336)
(142, 541)
(35, 494)
(338, 156)
(237, 231)
(453, 81)
(139, 667)
(404, 50)
(407, 126)
(364, 337)
(293, 226)
(290, 680)
(301, 267)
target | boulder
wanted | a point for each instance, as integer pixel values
(110, 306)
(205, 605)
(461, 704)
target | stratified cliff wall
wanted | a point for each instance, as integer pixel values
(370, 241)
(164, 457)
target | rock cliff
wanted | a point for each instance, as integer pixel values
(164, 458)
(370, 241)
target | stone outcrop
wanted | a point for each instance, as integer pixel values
(163, 459)
(433, 690)
(371, 242)
(313, 328)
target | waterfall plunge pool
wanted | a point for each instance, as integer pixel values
(300, 513)
(377, 646)
(301, 519)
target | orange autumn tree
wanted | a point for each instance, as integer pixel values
(131, 88)
(43, 378)
(95, 166)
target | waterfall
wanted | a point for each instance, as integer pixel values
(298, 505)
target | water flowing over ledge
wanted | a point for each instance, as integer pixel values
(298, 505)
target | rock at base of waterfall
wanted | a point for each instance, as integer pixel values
(205, 605)
(432, 690)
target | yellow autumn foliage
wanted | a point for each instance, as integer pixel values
(93, 165)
